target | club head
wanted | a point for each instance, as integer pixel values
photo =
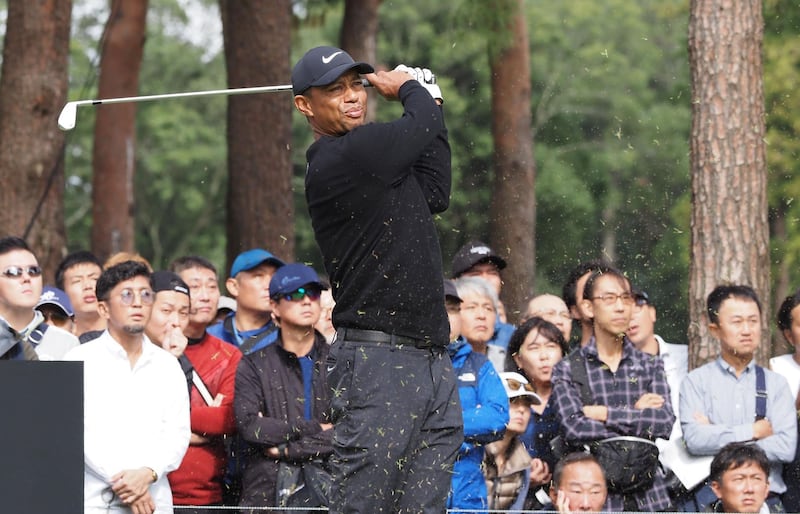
(66, 120)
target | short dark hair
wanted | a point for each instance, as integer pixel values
(785, 312)
(723, 292)
(181, 264)
(568, 292)
(11, 243)
(735, 455)
(117, 273)
(573, 458)
(602, 271)
(545, 328)
(73, 259)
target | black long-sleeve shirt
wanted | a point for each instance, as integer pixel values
(372, 194)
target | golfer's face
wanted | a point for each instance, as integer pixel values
(338, 107)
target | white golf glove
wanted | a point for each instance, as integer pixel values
(425, 77)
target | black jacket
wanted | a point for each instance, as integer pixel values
(270, 382)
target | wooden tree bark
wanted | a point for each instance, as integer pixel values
(260, 206)
(730, 239)
(513, 209)
(33, 89)
(359, 38)
(113, 162)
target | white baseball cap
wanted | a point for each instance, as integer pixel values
(516, 386)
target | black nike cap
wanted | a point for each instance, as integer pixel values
(322, 65)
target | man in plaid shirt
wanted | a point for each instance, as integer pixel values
(628, 386)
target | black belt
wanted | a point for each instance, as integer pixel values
(376, 336)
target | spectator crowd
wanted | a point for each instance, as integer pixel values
(198, 400)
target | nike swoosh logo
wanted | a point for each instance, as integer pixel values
(328, 59)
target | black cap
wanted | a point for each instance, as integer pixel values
(168, 281)
(472, 253)
(322, 65)
(450, 291)
(640, 297)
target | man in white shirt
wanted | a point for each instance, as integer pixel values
(642, 334)
(136, 405)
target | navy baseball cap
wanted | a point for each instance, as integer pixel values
(322, 65)
(250, 259)
(57, 298)
(292, 277)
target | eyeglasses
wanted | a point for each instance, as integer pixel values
(611, 298)
(516, 385)
(18, 271)
(296, 296)
(552, 313)
(146, 296)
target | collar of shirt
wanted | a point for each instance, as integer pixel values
(117, 351)
(727, 368)
(591, 348)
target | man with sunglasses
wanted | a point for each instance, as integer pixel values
(282, 396)
(24, 334)
(136, 404)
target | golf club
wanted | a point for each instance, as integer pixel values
(66, 120)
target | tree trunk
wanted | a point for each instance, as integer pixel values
(113, 163)
(260, 207)
(359, 36)
(730, 233)
(513, 209)
(33, 89)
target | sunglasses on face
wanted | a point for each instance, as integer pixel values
(18, 271)
(516, 385)
(296, 296)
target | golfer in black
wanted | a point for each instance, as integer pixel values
(372, 190)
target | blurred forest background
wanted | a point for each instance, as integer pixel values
(610, 119)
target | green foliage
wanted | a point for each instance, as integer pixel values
(611, 122)
(782, 17)
(181, 168)
(781, 65)
(611, 114)
(611, 118)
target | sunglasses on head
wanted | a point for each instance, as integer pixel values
(18, 271)
(516, 385)
(296, 296)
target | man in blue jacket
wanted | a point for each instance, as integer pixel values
(484, 406)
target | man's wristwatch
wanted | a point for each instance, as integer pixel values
(153, 475)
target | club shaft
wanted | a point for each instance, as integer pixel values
(66, 119)
(190, 94)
